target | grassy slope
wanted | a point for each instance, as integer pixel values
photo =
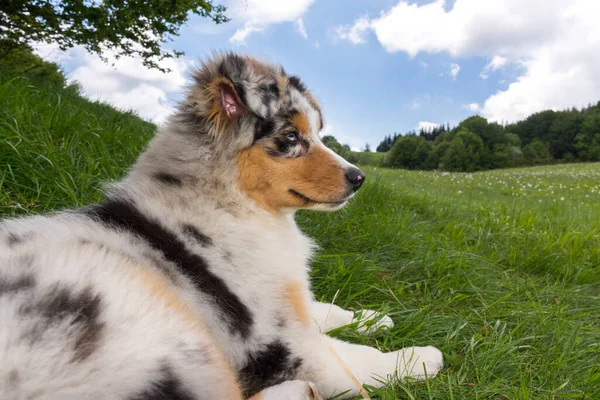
(56, 148)
(502, 276)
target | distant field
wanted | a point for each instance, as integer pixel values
(501, 269)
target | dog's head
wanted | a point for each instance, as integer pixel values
(272, 122)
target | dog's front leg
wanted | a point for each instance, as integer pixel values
(338, 361)
(289, 390)
(328, 316)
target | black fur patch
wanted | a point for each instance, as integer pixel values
(9, 285)
(13, 240)
(59, 303)
(200, 237)
(167, 179)
(263, 128)
(269, 93)
(232, 68)
(297, 83)
(125, 216)
(241, 92)
(233, 64)
(283, 145)
(168, 387)
(268, 367)
(13, 378)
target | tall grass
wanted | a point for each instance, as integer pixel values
(57, 148)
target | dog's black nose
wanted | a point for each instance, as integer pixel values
(356, 177)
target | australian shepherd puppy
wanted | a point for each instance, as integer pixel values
(191, 279)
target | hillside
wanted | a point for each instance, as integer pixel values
(56, 147)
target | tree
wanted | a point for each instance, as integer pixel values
(562, 133)
(129, 28)
(342, 150)
(409, 152)
(473, 150)
(535, 126)
(537, 152)
(386, 144)
(587, 142)
(23, 61)
(455, 157)
(367, 148)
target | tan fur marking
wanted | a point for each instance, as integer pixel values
(282, 83)
(296, 299)
(160, 289)
(257, 396)
(207, 102)
(300, 122)
(267, 180)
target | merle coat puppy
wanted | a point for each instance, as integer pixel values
(190, 280)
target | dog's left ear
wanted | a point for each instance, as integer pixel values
(220, 103)
(230, 101)
(231, 86)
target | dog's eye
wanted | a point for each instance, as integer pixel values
(292, 136)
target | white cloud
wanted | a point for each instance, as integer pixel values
(454, 70)
(356, 33)
(301, 28)
(239, 37)
(495, 63)
(127, 85)
(257, 15)
(556, 42)
(474, 107)
(423, 64)
(426, 126)
(317, 44)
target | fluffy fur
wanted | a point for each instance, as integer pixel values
(190, 280)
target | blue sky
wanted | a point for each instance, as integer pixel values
(384, 66)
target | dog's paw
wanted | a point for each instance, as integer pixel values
(291, 390)
(418, 362)
(370, 321)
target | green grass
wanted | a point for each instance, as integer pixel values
(501, 270)
(57, 148)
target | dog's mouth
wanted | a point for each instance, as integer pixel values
(308, 200)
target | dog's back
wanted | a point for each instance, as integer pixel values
(81, 318)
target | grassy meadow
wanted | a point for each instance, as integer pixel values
(501, 269)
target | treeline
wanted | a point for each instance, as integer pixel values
(365, 157)
(476, 144)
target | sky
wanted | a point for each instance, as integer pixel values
(381, 66)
